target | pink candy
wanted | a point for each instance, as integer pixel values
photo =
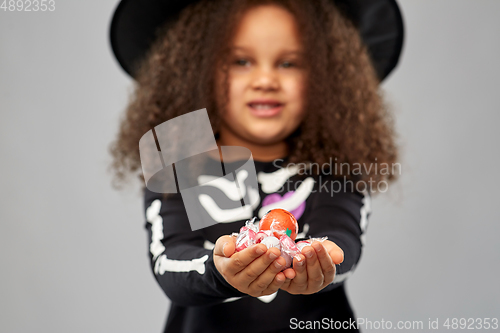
(261, 235)
(250, 235)
(288, 249)
(245, 239)
(304, 243)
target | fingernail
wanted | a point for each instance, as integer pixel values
(300, 262)
(309, 254)
(223, 246)
(259, 251)
(278, 265)
(318, 247)
(273, 255)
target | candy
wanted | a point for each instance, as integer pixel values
(280, 222)
(261, 235)
(278, 228)
(245, 239)
(288, 250)
(271, 241)
(304, 243)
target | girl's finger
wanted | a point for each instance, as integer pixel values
(278, 282)
(224, 246)
(286, 284)
(263, 281)
(240, 260)
(289, 273)
(325, 261)
(299, 282)
(257, 267)
(315, 276)
(336, 253)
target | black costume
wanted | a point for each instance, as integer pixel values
(202, 301)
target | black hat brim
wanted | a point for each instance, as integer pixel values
(135, 23)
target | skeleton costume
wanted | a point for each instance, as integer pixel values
(202, 301)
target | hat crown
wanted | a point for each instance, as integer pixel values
(135, 22)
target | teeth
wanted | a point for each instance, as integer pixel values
(263, 106)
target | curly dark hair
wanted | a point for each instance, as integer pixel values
(346, 120)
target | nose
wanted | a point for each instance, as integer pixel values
(265, 79)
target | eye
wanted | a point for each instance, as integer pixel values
(241, 62)
(287, 64)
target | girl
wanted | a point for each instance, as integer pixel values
(293, 82)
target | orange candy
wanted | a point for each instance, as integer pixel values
(280, 222)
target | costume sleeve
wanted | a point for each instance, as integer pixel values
(183, 268)
(341, 214)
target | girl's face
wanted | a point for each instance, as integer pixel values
(266, 78)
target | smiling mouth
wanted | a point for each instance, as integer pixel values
(264, 106)
(264, 110)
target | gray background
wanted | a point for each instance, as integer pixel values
(74, 252)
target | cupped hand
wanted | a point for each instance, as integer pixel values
(316, 268)
(255, 271)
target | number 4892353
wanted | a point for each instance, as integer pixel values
(28, 5)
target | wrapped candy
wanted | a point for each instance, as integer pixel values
(246, 237)
(271, 241)
(261, 235)
(277, 228)
(308, 242)
(288, 249)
